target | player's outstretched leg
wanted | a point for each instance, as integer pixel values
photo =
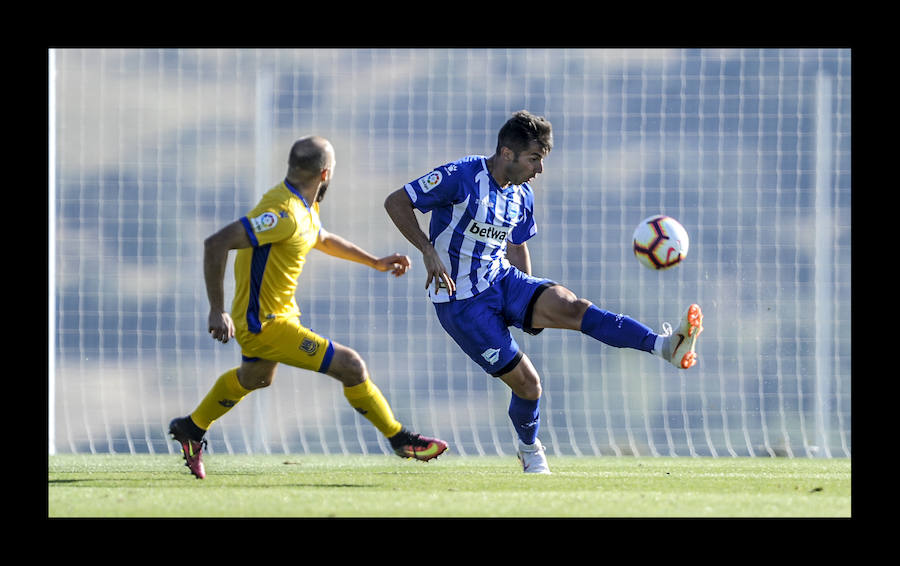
(407, 444)
(532, 458)
(191, 445)
(679, 347)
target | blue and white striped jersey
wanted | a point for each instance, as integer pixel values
(472, 219)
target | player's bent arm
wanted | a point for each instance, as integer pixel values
(215, 259)
(519, 256)
(403, 215)
(341, 248)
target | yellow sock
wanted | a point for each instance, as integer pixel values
(224, 395)
(367, 399)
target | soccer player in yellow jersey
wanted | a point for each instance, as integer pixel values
(272, 241)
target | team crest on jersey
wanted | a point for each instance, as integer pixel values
(263, 222)
(512, 209)
(430, 181)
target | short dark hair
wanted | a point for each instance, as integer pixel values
(308, 156)
(522, 129)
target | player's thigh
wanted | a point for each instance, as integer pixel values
(286, 341)
(558, 307)
(520, 292)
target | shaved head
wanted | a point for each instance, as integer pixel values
(309, 157)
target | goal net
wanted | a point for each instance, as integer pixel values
(152, 150)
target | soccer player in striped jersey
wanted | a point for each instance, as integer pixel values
(476, 254)
(272, 242)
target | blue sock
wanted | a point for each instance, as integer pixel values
(617, 330)
(526, 418)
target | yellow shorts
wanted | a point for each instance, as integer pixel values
(285, 340)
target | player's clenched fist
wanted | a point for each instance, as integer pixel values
(221, 327)
(397, 264)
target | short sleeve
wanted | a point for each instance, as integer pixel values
(526, 228)
(268, 226)
(434, 190)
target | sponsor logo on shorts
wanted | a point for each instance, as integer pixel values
(309, 346)
(488, 233)
(491, 355)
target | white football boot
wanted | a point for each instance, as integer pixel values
(532, 458)
(678, 348)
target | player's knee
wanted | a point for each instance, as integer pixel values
(559, 307)
(357, 371)
(577, 310)
(526, 385)
(348, 367)
(524, 380)
(526, 388)
(570, 310)
(530, 390)
(255, 378)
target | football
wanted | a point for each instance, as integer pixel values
(660, 242)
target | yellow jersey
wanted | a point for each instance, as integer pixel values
(283, 227)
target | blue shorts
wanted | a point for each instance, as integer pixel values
(480, 324)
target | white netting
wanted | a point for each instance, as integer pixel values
(155, 149)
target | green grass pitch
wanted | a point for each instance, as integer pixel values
(321, 486)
